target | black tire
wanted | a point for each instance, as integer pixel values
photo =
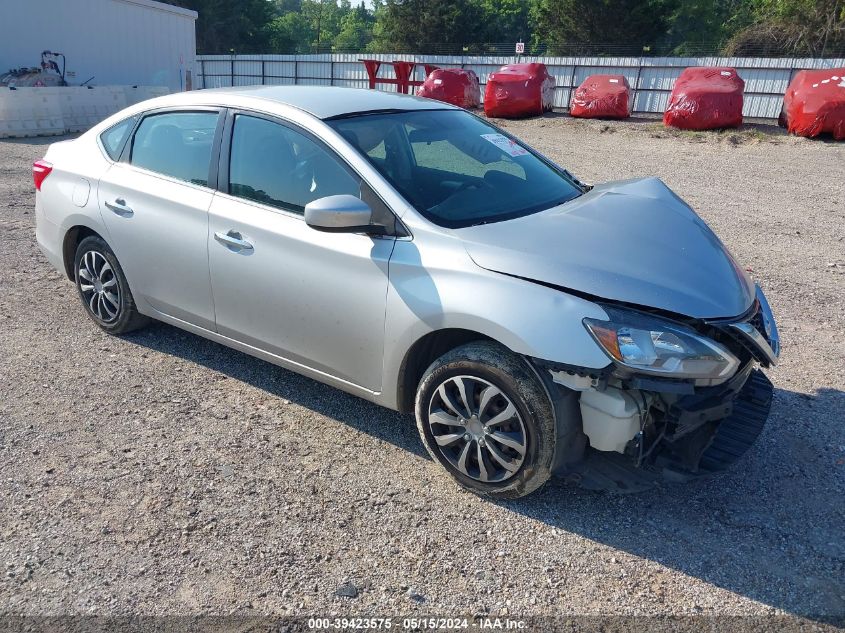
(479, 365)
(115, 316)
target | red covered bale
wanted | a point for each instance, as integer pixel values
(452, 85)
(602, 96)
(519, 90)
(814, 103)
(705, 99)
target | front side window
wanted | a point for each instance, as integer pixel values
(114, 137)
(454, 168)
(275, 165)
(176, 144)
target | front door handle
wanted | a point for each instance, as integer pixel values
(233, 240)
(119, 207)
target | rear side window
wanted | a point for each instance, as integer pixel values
(280, 167)
(176, 144)
(114, 138)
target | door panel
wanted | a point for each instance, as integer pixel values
(317, 299)
(155, 207)
(162, 243)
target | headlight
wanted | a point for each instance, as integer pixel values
(651, 345)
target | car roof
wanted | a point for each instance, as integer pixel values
(323, 102)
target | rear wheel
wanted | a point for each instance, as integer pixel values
(486, 418)
(103, 288)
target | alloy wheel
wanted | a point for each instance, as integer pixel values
(99, 286)
(477, 428)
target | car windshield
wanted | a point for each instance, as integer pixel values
(454, 168)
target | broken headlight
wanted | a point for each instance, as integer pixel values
(651, 345)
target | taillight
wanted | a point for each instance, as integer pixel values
(40, 170)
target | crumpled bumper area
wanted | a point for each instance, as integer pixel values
(727, 441)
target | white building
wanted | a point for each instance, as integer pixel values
(117, 42)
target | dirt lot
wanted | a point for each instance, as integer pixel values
(164, 474)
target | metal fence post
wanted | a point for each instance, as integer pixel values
(572, 81)
(263, 73)
(202, 70)
(792, 72)
(295, 69)
(637, 84)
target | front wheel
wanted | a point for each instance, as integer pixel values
(485, 417)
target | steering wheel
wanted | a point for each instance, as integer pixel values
(469, 185)
(303, 173)
(443, 208)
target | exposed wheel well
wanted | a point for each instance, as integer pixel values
(72, 239)
(424, 352)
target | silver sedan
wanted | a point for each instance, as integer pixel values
(415, 255)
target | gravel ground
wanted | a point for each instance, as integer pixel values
(163, 474)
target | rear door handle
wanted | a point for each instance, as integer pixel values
(119, 207)
(233, 240)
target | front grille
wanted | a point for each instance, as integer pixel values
(757, 322)
(738, 340)
(738, 343)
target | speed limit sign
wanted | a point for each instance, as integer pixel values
(520, 48)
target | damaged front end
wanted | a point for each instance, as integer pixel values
(680, 400)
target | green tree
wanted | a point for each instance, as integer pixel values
(696, 26)
(290, 33)
(686, 27)
(286, 6)
(224, 26)
(505, 20)
(815, 28)
(356, 30)
(425, 26)
(323, 18)
(600, 26)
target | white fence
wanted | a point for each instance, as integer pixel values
(651, 78)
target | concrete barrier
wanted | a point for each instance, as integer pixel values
(84, 107)
(30, 112)
(55, 111)
(136, 94)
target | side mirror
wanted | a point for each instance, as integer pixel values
(340, 214)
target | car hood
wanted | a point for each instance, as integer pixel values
(633, 241)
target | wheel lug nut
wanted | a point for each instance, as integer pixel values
(466, 436)
(481, 442)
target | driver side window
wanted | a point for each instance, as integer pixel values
(280, 167)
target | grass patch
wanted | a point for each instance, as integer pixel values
(732, 136)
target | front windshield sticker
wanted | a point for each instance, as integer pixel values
(505, 144)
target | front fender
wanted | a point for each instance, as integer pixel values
(444, 289)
